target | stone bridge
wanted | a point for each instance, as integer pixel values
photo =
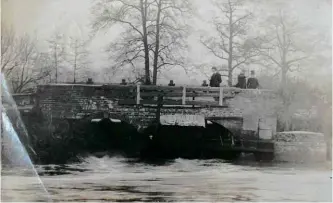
(237, 109)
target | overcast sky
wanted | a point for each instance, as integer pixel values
(72, 17)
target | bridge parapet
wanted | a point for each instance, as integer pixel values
(124, 102)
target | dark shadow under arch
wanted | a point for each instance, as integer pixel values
(191, 142)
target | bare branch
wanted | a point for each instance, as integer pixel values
(231, 31)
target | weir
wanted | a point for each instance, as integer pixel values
(250, 115)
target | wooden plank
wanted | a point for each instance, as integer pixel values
(202, 94)
(118, 87)
(179, 94)
(208, 89)
(160, 88)
(184, 96)
(188, 94)
(138, 94)
(214, 89)
(172, 102)
(133, 102)
(221, 96)
(166, 94)
(202, 103)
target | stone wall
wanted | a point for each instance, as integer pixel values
(73, 101)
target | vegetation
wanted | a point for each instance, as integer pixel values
(155, 32)
(231, 42)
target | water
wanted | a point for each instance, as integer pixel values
(119, 179)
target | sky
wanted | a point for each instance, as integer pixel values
(72, 17)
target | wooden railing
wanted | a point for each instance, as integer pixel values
(180, 95)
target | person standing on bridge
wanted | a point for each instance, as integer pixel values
(89, 81)
(252, 82)
(171, 83)
(215, 79)
(123, 82)
(241, 80)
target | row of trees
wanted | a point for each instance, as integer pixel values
(156, 31)
(25, 66)
(155, 36)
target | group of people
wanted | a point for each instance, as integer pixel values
(251, 83)
(216, 80)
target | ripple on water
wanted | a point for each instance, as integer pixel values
(119, 179)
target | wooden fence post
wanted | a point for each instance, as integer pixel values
(138, 94)
(221, 96)
(184, 96)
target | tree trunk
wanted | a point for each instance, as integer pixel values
(74, 79)
(230, 68)
(143, 6)
(157, 40)
(230, 77)
(56, 65)
(284, 78)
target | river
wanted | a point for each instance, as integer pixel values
(120, 179)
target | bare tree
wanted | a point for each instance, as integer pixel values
(170, 33)
(9, 50)
(283, 47)
(133, 14)
(232, 43)
(45, 61)
(77, 56)
(57, 53)
(21, 63)
(155, 31)
(29, 71)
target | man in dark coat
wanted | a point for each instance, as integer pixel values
(171, 83)
(89, 81)
(252, 82)
(123, 82)
(241, 81)
(216, 79)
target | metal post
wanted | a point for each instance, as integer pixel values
(221, 96)
(184, 96)
(138, 94)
